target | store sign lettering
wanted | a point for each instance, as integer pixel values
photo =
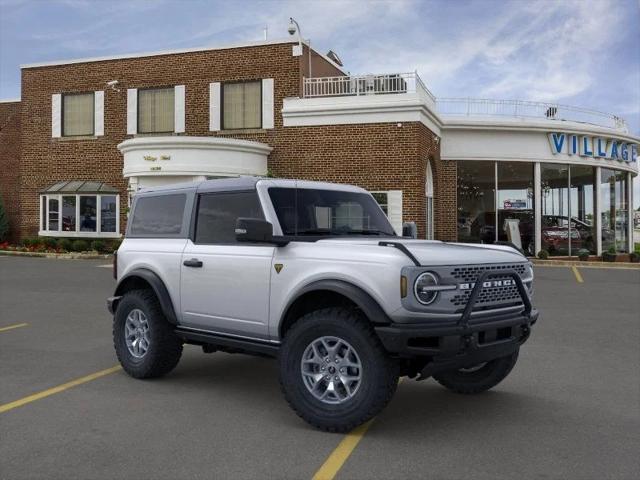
(597, 147)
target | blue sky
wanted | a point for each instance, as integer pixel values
(578, 52)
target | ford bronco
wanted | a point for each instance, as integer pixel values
(313, 274)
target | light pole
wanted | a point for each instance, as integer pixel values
(293, 28)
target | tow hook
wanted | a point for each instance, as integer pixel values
(467, 342)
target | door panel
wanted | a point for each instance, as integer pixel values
(229, 293)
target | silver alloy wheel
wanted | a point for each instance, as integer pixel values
(136, 333)
(331, 370)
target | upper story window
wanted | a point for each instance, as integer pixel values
(156, 110)
(242, 105)
(78, 113)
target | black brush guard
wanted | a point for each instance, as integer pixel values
(465, 343)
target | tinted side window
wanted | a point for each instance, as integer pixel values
(218, 212)
(160, 215)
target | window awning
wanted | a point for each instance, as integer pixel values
(80, 186)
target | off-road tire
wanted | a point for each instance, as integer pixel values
(379, 371)
(165, 347)
(487, 377)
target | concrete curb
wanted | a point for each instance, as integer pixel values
(571, 263)
(60, 256)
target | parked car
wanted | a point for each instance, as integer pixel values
(312, 273)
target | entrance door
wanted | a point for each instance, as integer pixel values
(225, 285)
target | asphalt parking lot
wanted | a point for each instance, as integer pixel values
(570, 408)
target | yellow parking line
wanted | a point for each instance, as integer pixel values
(577, 274)
(335, 461)
(11, 327)
(60, 388)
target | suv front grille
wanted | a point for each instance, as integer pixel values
(489, 297)
(470, 274)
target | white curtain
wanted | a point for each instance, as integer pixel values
(156, 110)
(77, 116)
(242, 105)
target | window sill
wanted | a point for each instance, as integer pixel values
(76, 138)
(241, 131)
(157, 134)
(79, 234)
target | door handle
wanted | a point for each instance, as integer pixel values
(194, 262)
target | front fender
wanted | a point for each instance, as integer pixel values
(357, 295)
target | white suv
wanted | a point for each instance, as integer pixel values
(313, 274)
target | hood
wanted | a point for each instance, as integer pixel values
(433, 253)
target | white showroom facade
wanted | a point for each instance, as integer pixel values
(567, 185)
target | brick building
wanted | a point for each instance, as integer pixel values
(86, 134)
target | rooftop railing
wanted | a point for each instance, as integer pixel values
(478, 107)
(356, 85)
(399, 83)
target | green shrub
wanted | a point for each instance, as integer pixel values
(65, 244)
(49, 242)
(98, 245)
(29, 242)
(4, 222)
(114, 245)
(635, 257)
(80, 246)
(543, 254)
(583, 254)
(610, 255)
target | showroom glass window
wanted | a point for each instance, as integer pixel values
(77, 114)
(156, 110)
(218, 213)
(516, 204)
(242, 105)
(614, 210)
(554, 190)
(582, 206)
(476, 201)
(82, 215)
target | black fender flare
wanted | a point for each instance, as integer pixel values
(158, 286)
(357, 295)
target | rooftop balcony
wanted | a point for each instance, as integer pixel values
(410, 83)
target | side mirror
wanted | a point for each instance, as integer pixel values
(256, 230)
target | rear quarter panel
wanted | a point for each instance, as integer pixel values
(161, 256)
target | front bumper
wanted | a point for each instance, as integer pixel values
(494, 338)
(466, 342)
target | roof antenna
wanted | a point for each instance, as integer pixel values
(266, 32)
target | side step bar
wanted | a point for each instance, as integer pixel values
(227, 342)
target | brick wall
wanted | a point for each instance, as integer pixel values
(47, 160)
(373, 156)
(10, 163)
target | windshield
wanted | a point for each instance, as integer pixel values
(310, 212)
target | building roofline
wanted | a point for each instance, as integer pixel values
(10, 100)
(172, 52)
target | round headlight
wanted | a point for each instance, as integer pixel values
(423, 288)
